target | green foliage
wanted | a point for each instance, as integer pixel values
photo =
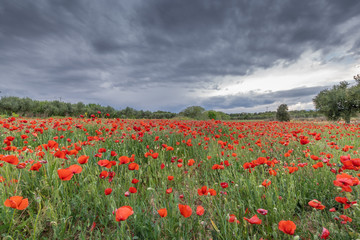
(341, 101)
(282, 113)
(271, 115)
(211, 115)
(33, 108)
(194, 112)
(222, 116)
(216, 115)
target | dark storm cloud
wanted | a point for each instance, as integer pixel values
(106, 46)
(236, 37)
(78, 45)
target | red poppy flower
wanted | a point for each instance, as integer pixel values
(21, 165)
(191, 162)
(266, 183)
(185, 210)
(345, 219)
(217, 166)
(36, 167)
(287, 227)
(304, 141)
(17, 202)
(200, 210)
(60, 154)
(123, 213)
(124, 160)
(232, 218)
(212, 192)
(105, 163)
(316, 204)
(65, 174)
(102, 150)
(132, 190)
(75, 169)
(253, 220)
(262, 211)
(11, 159)
(104, 174)
(345, 181)
(202, 191)
(108, 191)
(134, 181)
(111, 176)
(162, 212)
(83, 159)
(133, 166)
(272, 172)
(342, 200)
(314, 157)
(224, 184)
(325, 234)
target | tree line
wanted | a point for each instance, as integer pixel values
(272, 115)
(28, 107)
(33, 108)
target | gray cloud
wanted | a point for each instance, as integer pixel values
(253, 99)
(85, 49)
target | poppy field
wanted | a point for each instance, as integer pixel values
(104, 178)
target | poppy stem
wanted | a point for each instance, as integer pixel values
(18, 183)
(36, 220)
(11, 221)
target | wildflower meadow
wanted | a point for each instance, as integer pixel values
(107, 178)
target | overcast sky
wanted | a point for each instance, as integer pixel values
(233, 56)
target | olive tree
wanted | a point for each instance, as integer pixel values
(341, 101)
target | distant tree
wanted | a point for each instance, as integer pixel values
(341, 101)
(193, 112)
(282, 113)
(79, 108)
(10, 105)
(26, 106)
(211, 114)
(222, 116)
(129, 112)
